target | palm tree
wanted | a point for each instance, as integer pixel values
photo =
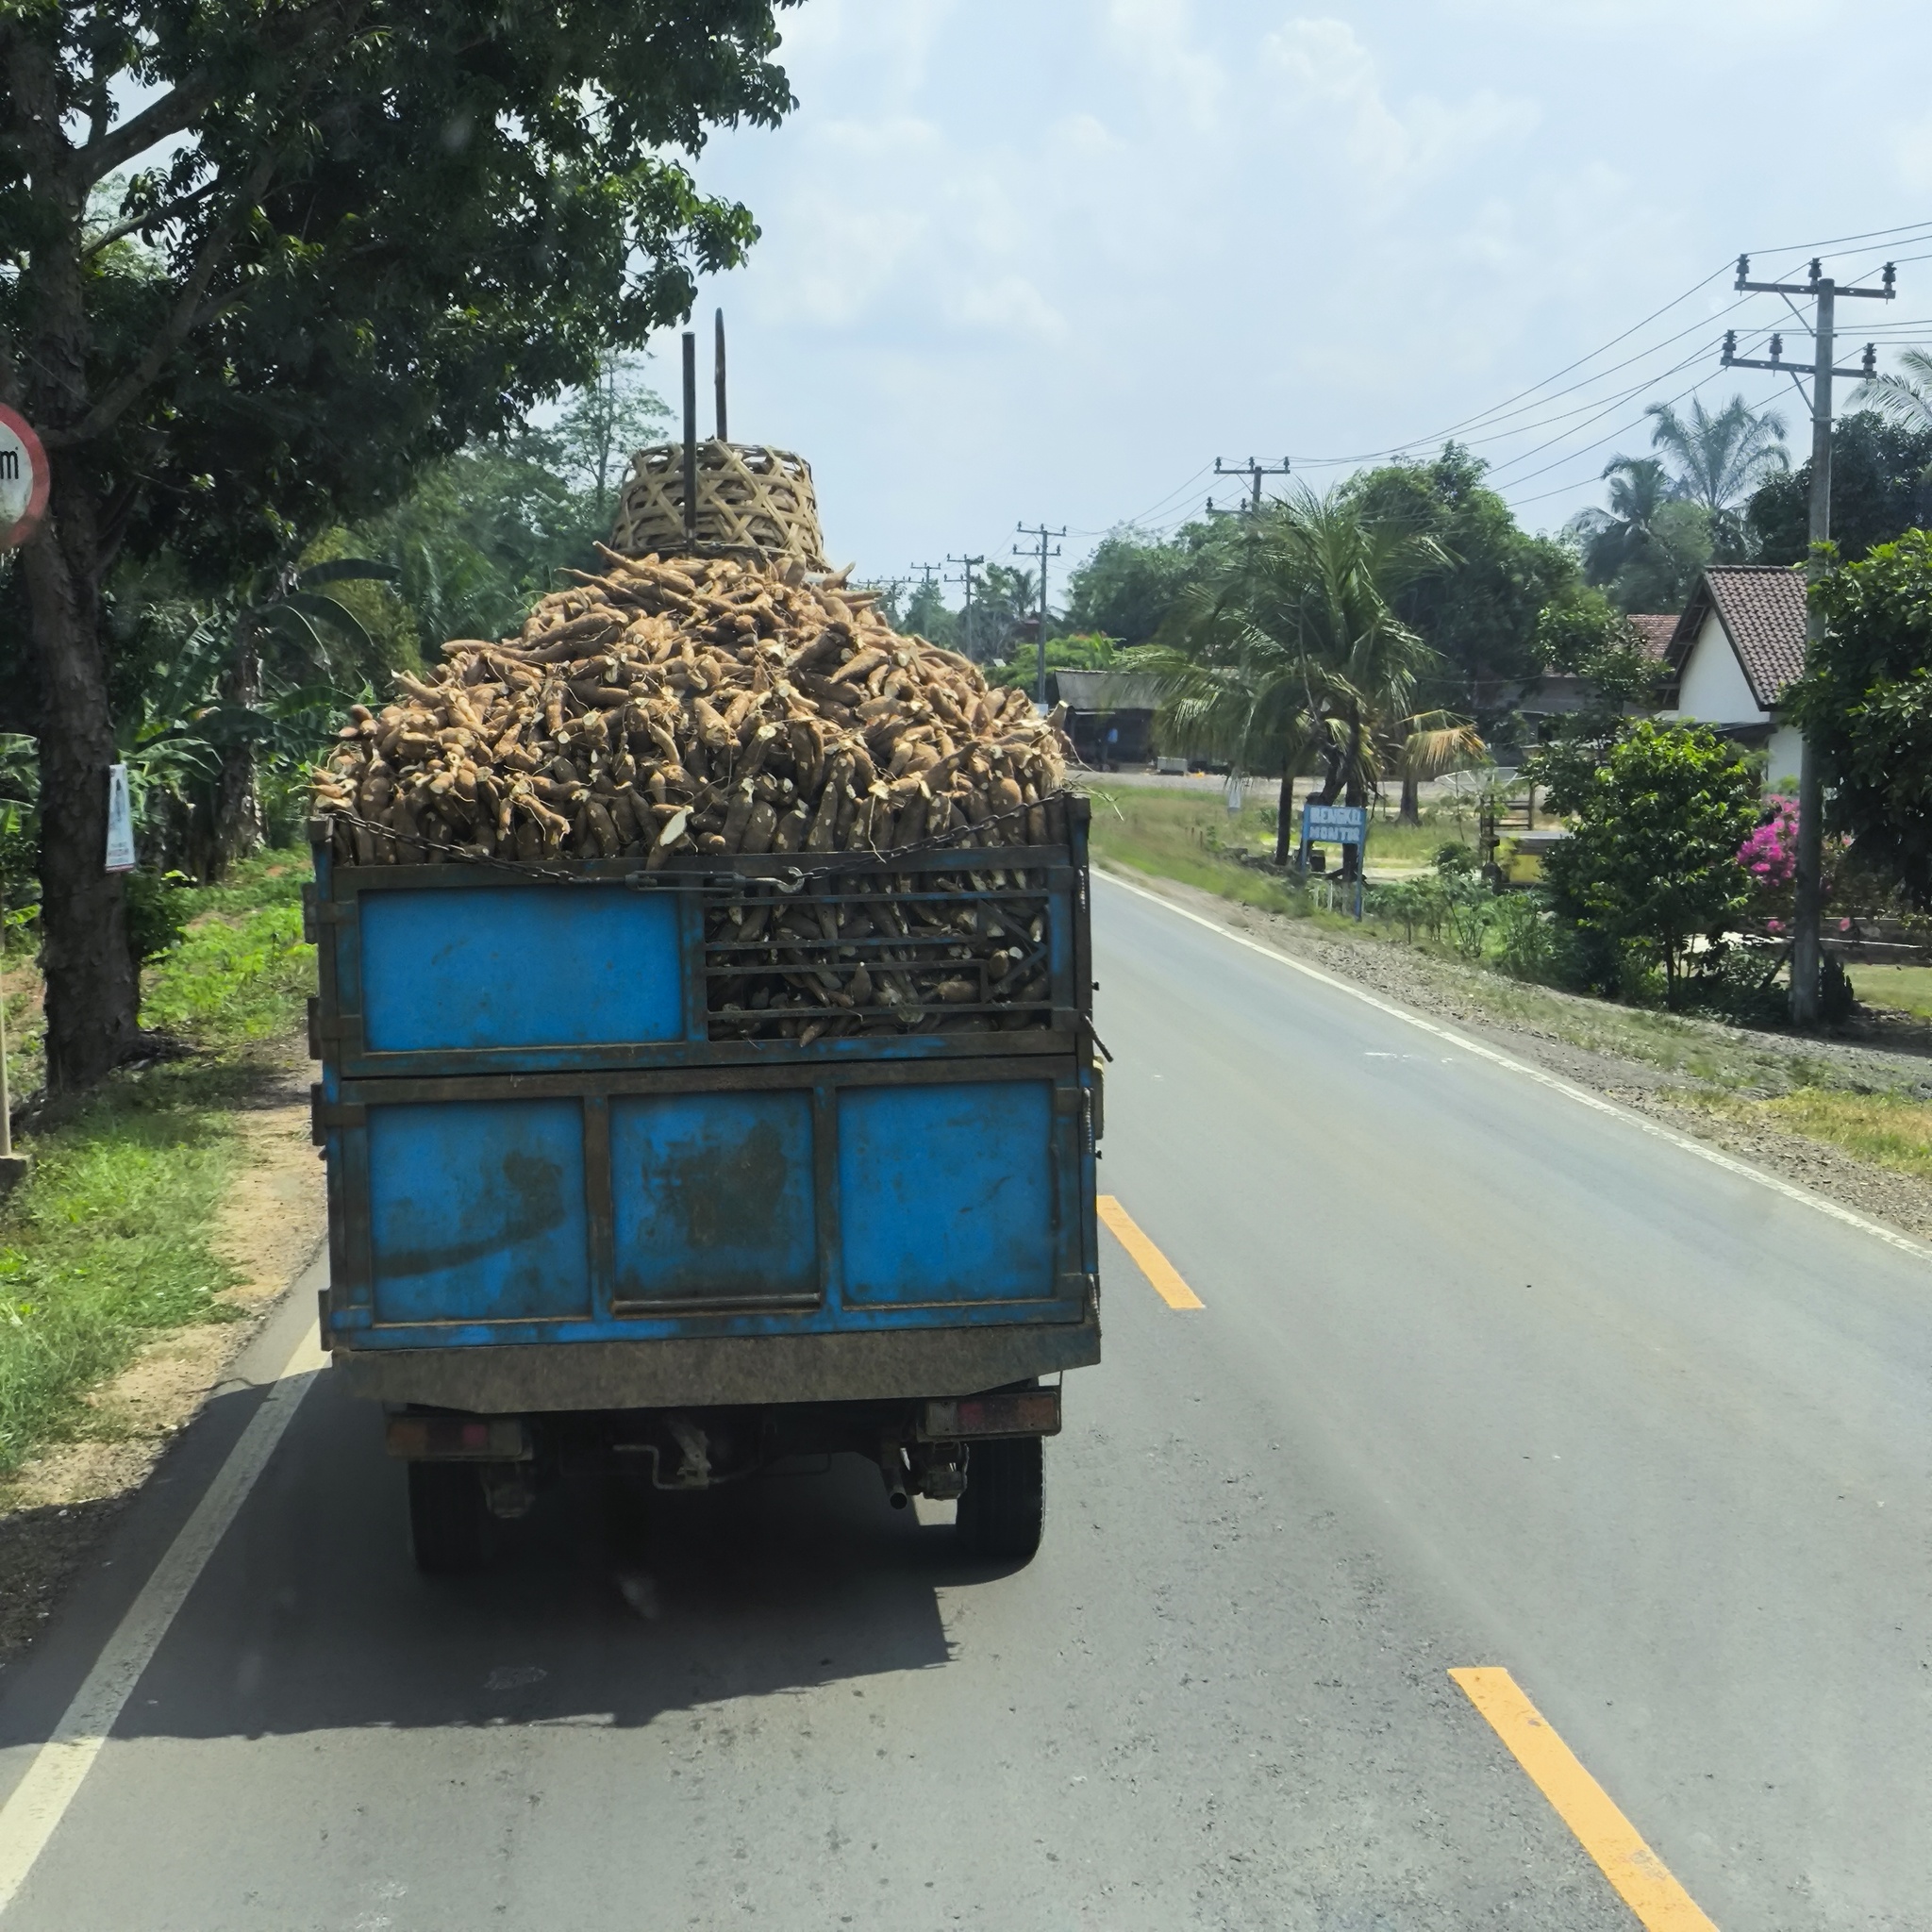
(1616, 537)
(1287, 652)
(1721, 458)
(1903, 395)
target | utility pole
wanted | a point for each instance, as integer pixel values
(968, 564)
(1042, 533)
(1808, 897)
(928, 570)
(717, 375)
(1254, 472)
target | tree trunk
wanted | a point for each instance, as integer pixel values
(92, 985)
(1411, 812)
(1284, 830)
(237, 809)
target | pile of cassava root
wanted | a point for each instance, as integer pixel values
(705, 706)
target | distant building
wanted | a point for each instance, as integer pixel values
(1736, 650)
(1110, 716)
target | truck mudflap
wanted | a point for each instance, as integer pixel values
(680, 1371)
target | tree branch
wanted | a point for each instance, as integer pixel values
(152, 220)
(175, 110)
(187, 312)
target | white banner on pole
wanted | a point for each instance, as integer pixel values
(120, 821)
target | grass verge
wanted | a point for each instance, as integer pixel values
(1889, 1130)
(110, 1241)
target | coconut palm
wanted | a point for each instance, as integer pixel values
(1722, 458)
(1903, 395)
(1287, 652)
(1614, 538)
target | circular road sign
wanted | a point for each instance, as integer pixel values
(23, 480)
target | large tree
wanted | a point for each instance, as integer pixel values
(359, 234)
(1479, 607)
(1126, 589)
(1881, 487)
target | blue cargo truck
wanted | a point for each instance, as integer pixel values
(591, 1211)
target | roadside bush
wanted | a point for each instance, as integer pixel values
(1652, 857)
(1525, 938)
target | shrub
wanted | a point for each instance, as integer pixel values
(1652, 860)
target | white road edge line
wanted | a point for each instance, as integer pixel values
(34, 1810)
(1789, 1190)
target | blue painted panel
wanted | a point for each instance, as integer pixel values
(519, 966)
(476, 1210)
(945, 1192)
(713, 1195)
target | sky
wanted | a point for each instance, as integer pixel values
(1026, 263)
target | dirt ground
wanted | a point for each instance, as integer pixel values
(56, 1509)
(1883, 1053)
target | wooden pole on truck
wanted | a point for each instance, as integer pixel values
(691, 436)
(717, 375)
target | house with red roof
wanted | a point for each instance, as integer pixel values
(1735, 652)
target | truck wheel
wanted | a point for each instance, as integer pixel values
(446, 1516)
(1004, 1505)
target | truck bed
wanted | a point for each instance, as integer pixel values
(566, 1170)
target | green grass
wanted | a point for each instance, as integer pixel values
(109, 1240)
(1890, 1130)
(107, 1244)
(1903, 989)
(243, 971)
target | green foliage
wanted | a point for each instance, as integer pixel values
(1478, 607)
(1647, 548)
(156, 914)
(1881, 487)
(609, 418)
(1721, 457)
(404, 224)
(1085, 653)
(1586, 636)
(1287, 651)
(241, 970)
(107, 1242)
(1652, 858)
(1130, 583)
(1866, 704)
(1525, 935)
(926, 616)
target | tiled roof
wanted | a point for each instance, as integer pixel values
(1761, 607)
(1653, 630)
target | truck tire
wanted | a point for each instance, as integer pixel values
(447, 1523)
(1004, 1508)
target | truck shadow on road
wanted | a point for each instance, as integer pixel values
(311, 1617)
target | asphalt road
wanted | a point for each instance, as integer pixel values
(1482, 1378)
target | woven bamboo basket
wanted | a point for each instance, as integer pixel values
(750, 499)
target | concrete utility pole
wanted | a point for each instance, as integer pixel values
(1809, 898)
(1254, 472)
(928, 570)
(1042, 533)
(969, 564)
(718, 375)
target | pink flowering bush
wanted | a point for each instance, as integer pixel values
(1770, 855)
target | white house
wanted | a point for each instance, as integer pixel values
(1735, 652)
